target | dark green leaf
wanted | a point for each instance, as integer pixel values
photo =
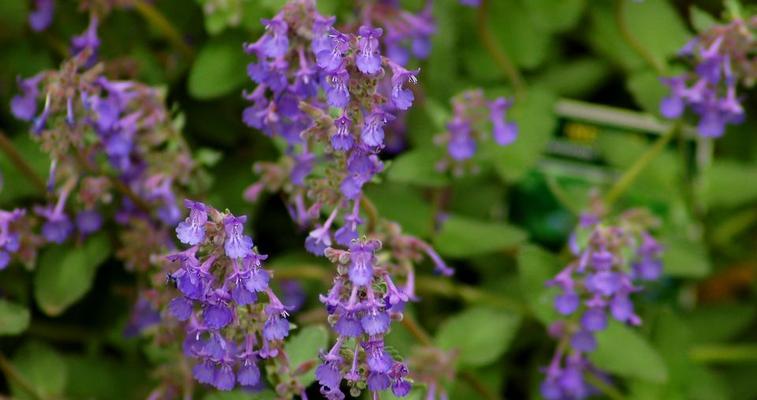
(555, 15)
(65, 274)
(14, 318)
(404, 205)
(535, 267)
(725, 184)
(219, 68)
(13, 184)
(480, 335)
(685, 258)
(417, 167)
(464, 237)
(42, 367)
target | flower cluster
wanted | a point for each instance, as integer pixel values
(611, 256)
(104, 136)
(473, 116)
(407, 34)
(220, 278)
(10, 239)
(722, 57)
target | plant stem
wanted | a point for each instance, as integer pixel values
(498, 55)
(625, 181)
(607, 389)
(371, 211)
(155, 18)
(14, 376)
(725, 353)
(424, 338)
(625, 32)
(18, 160)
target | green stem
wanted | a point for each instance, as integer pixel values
(607, 389)
(14, 376)
(6, 145)
(155, 18)
(625, 181)
(498, 55)
(562, 197)
(631, 40)
(725, 353)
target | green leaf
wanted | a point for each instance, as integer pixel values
(12, 18)
(103, 378)
(219, 68)
(65, 274)
(535, 267)
(417, 167)
(241, 395)
(519, 37)
(42, 367)
(685, 258)
(480, 335)
(725, 184)
(721, 322)
(555, 15)
(14, 318)
(13, 184)
(464, 237)
(647, 90)
(536, 121)
(575, 77)
(701, 20)
(304, 347)
(624, 352)
(404, 205)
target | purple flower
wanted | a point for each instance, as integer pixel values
(181, 308)
(237, 244)
(191, 231)
(275, 327)
(223, 378)
(594, 319)
(361, 261)
(328, 374)
(332, 57)
(249, 373)
(204, 372)
(41, 18)
(322, 27)
(368, 59)
(504, 132)
(89, 221)
(57, 227)
(217, 316)
(24, 106)
(461, 145)
(376, 357)
(342, 140)
(276, 43)
(567, 303)
(583, 341)
(375, 322)
(303, 164)
(372, 133)
(348, 325)
(87, 40)
(401, 97)
(337, 92)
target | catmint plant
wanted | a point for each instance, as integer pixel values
(473, 118)
(722, 62)
(614, 256)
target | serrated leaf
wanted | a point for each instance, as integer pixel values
(304, 347)
(219, 68)
(65, 274)
(536, 121)
(465, 237)
(480, 335)
(14, 318)
(42, 367)
(622, 351)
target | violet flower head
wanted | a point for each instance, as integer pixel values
(42, 16)
(237, 244)
(368, 59)
(24, 105)
(10, 238)
(191, 231)
(87, 40)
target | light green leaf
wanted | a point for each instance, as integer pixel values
(519, 37)
(14, 318)
(480, 335)
(701, 20)
(303, 348)
(417, 167)
(219, 68)
(92, 377)
(647, 90)
(685, 258)
(575, 77)
(624, 352)
(535, 267)
(725, 184)
(42, 367)
(65, 274)
(464, 237)
(536, 121)
(404, 205)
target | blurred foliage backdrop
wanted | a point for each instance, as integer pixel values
(505, 226)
